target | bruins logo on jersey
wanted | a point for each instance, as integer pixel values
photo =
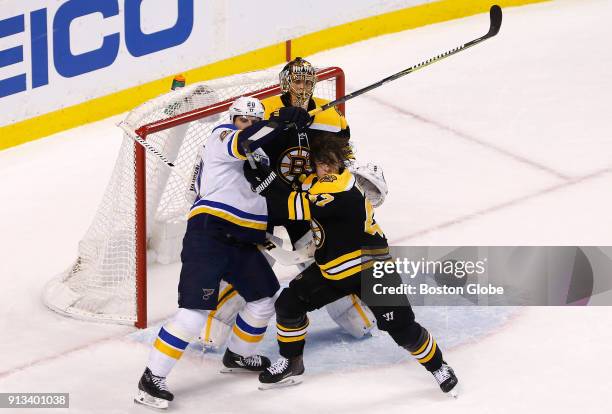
(318, 235)
(328, 178)
(294, 162)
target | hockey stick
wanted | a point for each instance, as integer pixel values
(153, 151)
(145, 144)
(496, 21)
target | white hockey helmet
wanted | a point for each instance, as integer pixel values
(246, 106)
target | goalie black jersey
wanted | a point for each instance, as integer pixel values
(347, 237)
(289, 154)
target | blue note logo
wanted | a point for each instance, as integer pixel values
(207, 293)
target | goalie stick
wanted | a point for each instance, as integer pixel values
(495, 14)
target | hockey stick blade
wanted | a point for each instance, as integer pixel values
(495, 14)
(496, 20)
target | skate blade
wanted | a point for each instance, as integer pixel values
(454, 392)
(226, 370)
(287, 382)
(150, 401)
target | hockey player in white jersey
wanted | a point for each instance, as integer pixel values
(226, 222)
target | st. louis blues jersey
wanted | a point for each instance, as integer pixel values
(223, 194)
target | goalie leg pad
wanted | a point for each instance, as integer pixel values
(351, 314)
(250, 326)
(219, 322)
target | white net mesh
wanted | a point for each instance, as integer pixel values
(101, 284)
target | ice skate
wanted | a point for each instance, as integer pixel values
(234, 363)
(447, 380)
(283, 373)
(153, 391)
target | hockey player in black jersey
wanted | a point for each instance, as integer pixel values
(348, 240)
(289, 158)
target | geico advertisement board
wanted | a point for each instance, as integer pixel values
(55, 54)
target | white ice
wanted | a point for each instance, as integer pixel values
(505, 144)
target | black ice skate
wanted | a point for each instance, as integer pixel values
(152, 391)
(447, 380)
(283, 373)
(237, 363)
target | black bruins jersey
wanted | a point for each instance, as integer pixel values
(289, 154)
(347, 237)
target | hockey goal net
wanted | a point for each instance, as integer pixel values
(142, 216)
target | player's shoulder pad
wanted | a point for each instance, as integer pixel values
(271, 104)
(223, 130)
(320, 101)
(329, 120)
(334, 183)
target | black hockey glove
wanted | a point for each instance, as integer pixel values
(261, 179)
(291, 115)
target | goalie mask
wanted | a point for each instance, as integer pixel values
(298, 79)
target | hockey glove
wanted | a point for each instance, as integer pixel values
(261, 179)
(291, 115)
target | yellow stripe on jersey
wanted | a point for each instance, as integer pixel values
(305, 206)
(298, 207)
(166, 349)
(329, 120)
(271, 104)
(291, 205)
(234, 147)
(307, 182)
(383, 251)
(335, 183)
(353, 262)
(228, 216)
(340, 260)
(349, 272)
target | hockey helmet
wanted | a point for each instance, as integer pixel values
(246, 106)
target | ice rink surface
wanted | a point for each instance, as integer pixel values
(505, 144)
